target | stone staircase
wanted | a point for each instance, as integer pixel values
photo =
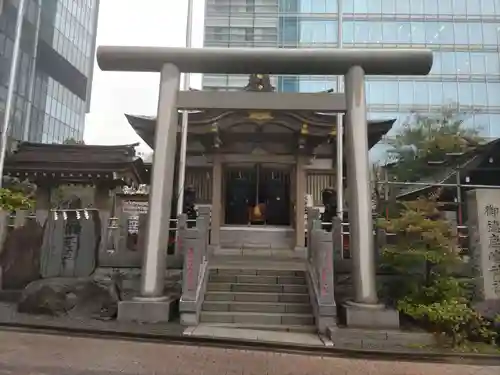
(273, 299)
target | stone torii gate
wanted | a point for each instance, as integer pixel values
(354, 64)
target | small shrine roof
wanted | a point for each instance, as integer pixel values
(75, 163)
(460, 163)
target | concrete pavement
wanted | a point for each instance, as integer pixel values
(37, 354)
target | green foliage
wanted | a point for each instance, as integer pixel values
(11, 201)
(72, 141)
(429, 137)
(16, 194)
(425, 254)
(452, 317)
(422, 236)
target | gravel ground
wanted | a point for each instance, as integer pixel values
(37, 354)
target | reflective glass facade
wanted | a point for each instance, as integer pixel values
(464, 34)
(64, 68)
(271, 23)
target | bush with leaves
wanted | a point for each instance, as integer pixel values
(453, 317)
(425, 254)
(425, 137)
(16, 194)
(72, 141)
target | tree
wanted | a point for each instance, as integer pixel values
(428, 137)
(16, 194)
(423, 255)
(72, 141)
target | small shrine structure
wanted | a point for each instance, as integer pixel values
(77, 206)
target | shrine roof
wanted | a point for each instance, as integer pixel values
(320, 124)
(258, 124)
(463, 163)
(75, 163)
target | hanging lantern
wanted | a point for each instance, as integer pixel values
(257, 212)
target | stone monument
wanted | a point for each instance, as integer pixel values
(483, 206)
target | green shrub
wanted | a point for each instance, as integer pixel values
(16, 194)
(424, 253)
(453, 317)
(11, 201)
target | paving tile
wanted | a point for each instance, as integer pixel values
(223, 332)
(58, 355)
(290, 337)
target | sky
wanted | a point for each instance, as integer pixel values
(135, 23)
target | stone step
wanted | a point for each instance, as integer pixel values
(262, 250)
(257, 279)
(264, 307)
(257, 288)
(269, 327)
(255, 272)
(258, 297)
(256, 318)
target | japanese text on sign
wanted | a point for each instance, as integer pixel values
(135, 207)
(492, 215)
(191, 285)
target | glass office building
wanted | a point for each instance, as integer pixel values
(276, 24)
(57, 97)
(464, 34)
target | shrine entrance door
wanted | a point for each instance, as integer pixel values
(257, 194)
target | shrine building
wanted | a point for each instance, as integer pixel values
(255, 169)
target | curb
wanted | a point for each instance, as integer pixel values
(238, 344)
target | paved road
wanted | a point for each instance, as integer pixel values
(31, 354)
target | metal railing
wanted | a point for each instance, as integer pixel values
(462, 237)
(113, 225)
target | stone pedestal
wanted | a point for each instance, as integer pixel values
(300, 252)
(143, 310)
(189, 319)
(359, 315)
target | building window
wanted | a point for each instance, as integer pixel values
(318, 32)
(316, 6)
(290, 33)
(289, 84)
(250, 6)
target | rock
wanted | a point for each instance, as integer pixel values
(20, 260)
(77, 297)
(128, 281)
